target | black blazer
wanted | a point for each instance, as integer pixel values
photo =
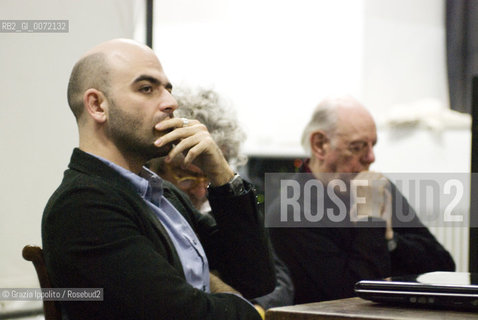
(98, 232)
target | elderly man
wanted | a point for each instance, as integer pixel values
(113, 224)
(328, 258)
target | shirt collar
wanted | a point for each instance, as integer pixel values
(305, 166)
(147, 183)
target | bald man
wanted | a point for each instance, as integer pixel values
(113, 224)
(326, 258)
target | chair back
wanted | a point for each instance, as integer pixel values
(34, 254)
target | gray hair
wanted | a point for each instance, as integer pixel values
(218, 116)
(325, 118)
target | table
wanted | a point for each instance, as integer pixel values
(357, 308)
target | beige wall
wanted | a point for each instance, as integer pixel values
(37, 129)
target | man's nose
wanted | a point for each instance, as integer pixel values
(369, 155)
(167, 103)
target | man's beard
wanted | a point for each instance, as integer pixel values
(125, 130)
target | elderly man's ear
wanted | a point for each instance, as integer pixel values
(319, 144)
(96, 104)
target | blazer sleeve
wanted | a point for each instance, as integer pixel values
(325, 263)
(415, 240)
(94, 238)
(283, 294)
(234, 239)
(243, 255)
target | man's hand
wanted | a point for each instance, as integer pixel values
(371, 197)
(219, 286)
(198, 147)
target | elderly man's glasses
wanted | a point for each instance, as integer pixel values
(359, 147)
(187, 182)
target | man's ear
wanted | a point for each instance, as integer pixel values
(96, 104)
(318, 141)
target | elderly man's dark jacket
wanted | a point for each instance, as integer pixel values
(327, 258)
(99, 233)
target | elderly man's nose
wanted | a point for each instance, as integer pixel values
(369, 155)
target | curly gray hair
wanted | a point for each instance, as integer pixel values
(219, 117)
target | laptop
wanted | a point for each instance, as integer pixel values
(453, 290)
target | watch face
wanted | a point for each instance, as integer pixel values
(237, 185)
(391, 244)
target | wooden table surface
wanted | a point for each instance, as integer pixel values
(356, 308)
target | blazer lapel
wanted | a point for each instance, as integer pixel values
(165, 235)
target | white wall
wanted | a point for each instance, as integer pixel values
(37, 129)
(273, 58)
(276, 59)
(404, 52)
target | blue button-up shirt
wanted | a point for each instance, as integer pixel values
(190, 251)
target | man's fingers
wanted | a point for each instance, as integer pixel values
(371, 187)
(191, 147)
(180, 133)
(387, 207)
(369, 175)
(174, 123)
(193, 153)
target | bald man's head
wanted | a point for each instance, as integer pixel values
(91, 71)
(95, 68)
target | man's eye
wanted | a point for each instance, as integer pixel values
(146, 89)
(357, 147)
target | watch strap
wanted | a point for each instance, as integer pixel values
(392, 244)
(234, 187)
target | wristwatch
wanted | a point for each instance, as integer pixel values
(235, 187)
(392, 243)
